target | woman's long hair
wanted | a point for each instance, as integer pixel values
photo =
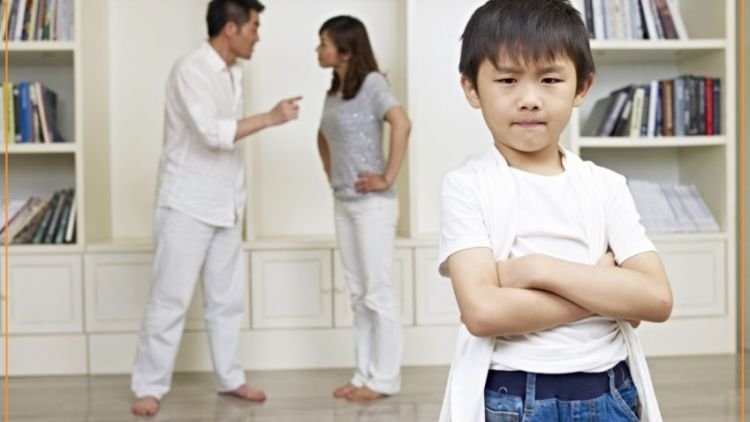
(349, 35)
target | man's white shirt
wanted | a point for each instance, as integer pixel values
(202, 169)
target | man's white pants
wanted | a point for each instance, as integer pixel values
(183, 247)
(366, 231)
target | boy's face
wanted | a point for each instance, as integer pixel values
(526, 105)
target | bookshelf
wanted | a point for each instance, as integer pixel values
(40, 167)
(701, 266)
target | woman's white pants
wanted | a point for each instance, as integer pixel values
(366, 231)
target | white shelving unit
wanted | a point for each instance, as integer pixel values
(116, 78)
(45, 300)
(701, 266)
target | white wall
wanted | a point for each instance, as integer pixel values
(291, 195)
(140, 60)
(287, 184)
(446, 129)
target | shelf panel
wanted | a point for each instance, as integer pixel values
(687, 237)
(40, 53)
(43, 249)
(58, 148)
(629, 51)
(657, 142)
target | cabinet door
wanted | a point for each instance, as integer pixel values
(402, 278)
(696, 272)
(118, 287)
(45, 294)
(291, 289)
(435, 301)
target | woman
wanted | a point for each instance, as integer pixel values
(366, 209)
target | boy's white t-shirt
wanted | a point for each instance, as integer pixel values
(552, 224)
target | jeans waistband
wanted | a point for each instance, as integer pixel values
(572, 386)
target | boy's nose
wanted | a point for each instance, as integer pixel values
(529, 99)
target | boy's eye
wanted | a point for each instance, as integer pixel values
(551, 80)
(505, 80)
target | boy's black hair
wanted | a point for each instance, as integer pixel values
(528, 31)
(221, 12)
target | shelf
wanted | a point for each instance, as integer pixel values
(144, 244)
(687, 237)
(40, 53)
(43, 249)
(629, 51)
(663, 142)
(39, 148)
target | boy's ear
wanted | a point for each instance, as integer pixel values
(581, 95)
(470, 91)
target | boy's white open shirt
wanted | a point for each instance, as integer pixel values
(464, 395)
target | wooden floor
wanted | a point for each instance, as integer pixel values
(705, 389)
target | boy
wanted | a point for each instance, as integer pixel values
(525, 235)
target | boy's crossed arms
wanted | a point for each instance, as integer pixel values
(538, 292)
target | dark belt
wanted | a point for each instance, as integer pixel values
(572, 386)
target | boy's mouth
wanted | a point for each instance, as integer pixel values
(529, 123)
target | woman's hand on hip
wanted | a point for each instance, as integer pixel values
(371, 182)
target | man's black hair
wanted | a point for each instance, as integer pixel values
(221, 12)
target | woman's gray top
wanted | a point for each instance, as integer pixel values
(354, 131)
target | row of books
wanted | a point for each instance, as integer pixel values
(684, 106)
(32, 114)
(39, 20)
(632, 19)
(36, 221)
(671, 208)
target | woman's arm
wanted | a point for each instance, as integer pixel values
(325, 155)
(400, 129)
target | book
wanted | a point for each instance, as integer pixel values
(636, 115)
(670, 32)
(40, 233)
(653, 108)
(648, 19)
(667, 110)
(49, 235)
(613, 112)
(70, 233)
(597, 116)
(679, 24)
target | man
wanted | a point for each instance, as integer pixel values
(200, 200)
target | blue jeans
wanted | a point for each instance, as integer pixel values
(619, 404)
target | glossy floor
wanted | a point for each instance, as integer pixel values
(691, 389)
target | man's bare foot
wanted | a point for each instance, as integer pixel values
(344, 391)
(246, 393)
(364, 394)
(145, 406)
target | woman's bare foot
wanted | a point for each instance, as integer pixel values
(344, 391)
(145, 406)
(364, 394)
(246, 393)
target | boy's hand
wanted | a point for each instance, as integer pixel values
(519, 272)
